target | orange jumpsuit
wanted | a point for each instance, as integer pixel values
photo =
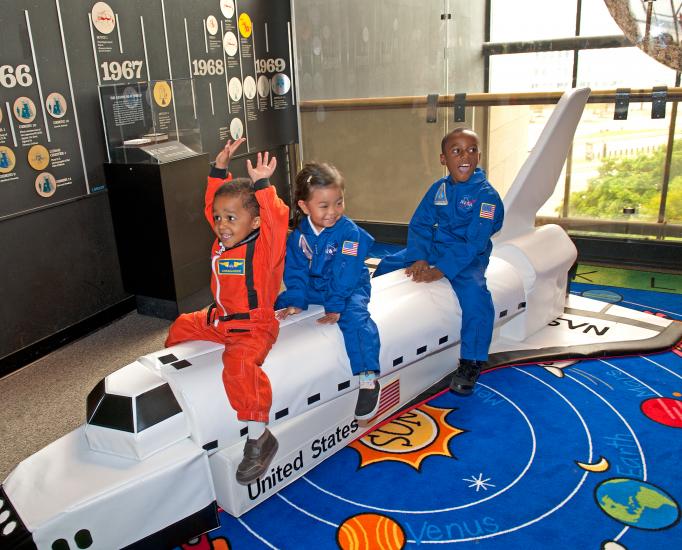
(245, 282)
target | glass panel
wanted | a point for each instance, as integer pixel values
(595, 20)
(604, 69)
(524, 20)
(618, 165)
(673, 203)
(354, 49)
(524, 72)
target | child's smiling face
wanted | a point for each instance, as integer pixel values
(232, 223)
(325, 206)
(461, 155)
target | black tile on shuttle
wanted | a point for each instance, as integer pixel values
(421, 350)
(281, 414)
(344, 385)
(313, 398)
(522, 305)
(83, 538)
(397, 360)
(165, 359)
(443, 339)
(211, 445)
(182, 364)
(243, 431)
(503, 313)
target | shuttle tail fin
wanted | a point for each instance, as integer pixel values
(538, 176)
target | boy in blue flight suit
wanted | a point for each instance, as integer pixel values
(449, 236)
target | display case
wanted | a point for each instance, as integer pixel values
(150, 122)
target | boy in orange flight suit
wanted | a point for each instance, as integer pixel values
(250, 222)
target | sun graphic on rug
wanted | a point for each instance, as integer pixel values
(409, 438)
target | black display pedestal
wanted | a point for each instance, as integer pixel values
(162, 236)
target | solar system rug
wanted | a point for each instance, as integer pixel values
(583, 455)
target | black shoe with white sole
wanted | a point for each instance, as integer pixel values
(368, 399)
(465, 376)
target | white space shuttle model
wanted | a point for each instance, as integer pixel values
(161, 444)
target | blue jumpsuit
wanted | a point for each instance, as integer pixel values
(329, 269)
(451, 230)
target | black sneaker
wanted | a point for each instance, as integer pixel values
(258, 453)
(368, 399)
(465, 376)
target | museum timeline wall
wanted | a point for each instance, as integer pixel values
(58, 251)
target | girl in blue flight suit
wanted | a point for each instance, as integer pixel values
(325, 264)
(449, 236)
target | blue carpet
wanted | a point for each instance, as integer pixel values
(530, 460)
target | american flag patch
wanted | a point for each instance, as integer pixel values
(350, 248)
(389, 397)
(487, 210)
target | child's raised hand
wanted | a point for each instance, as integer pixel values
(265, 167)
(284, 313)
(225, 154)
(329, 318)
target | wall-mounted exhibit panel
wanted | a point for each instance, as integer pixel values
(55, 55)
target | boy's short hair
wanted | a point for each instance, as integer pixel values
(458, 130)
(241, 187)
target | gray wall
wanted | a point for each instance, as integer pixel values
(59, 266)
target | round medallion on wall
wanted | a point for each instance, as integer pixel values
(24, 109)
(56, 105)
(249, 87)
(212, 25)
(230, 43)
(236, 128)
(46, 185)
(162, 93)
(263, 86)
(103, 17)
(227, 8)
(235, 89)
(281, 84)
(38, 157)
(7, 159)
(245, 25)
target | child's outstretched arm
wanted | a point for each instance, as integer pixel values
(420, 233)
(219, 175)
(274, 214)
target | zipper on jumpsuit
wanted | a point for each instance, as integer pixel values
(217, 287)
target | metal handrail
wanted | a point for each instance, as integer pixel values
(478, 100)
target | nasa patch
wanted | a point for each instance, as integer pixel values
(231, 267)
(466, 203)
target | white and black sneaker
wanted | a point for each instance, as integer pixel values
(368, 397)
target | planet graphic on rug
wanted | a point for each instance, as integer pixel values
(637, 503)
(664, 410)
(370, 531)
